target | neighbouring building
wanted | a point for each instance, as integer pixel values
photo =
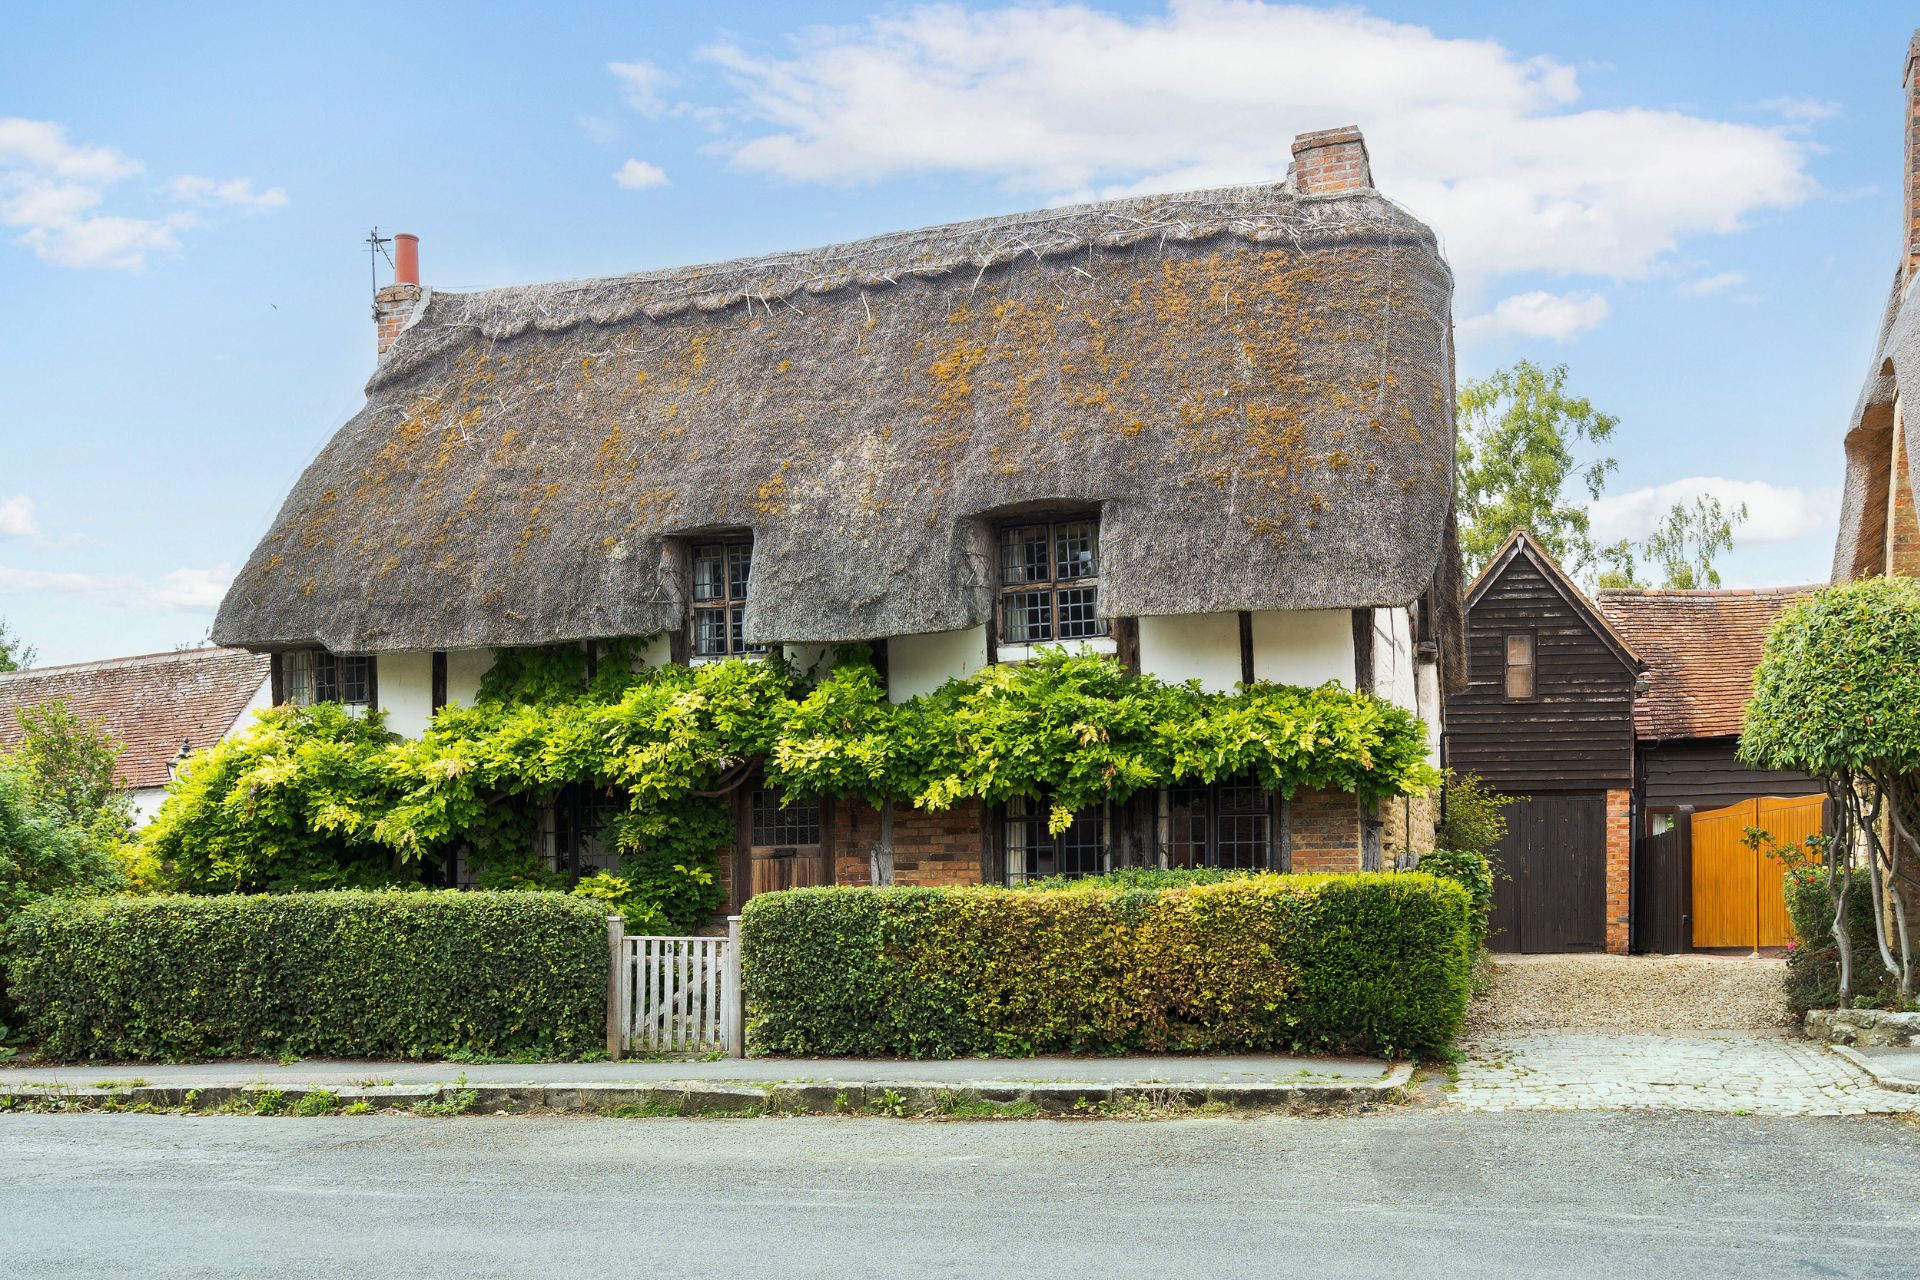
(159, 706)
(1615, 721)
(1209, 433)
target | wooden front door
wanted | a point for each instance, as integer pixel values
(780, 847)
(1550, 876)
(1739, 894)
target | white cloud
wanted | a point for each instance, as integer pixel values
(180, 591)
(640, 85)
(1801, 110)
(16, 517)
(1490, 145)
(1775, 513)
(1713, 284)
(237, 191)
(51, 192)
(638, 175)
(599, 129)
(1538, 315)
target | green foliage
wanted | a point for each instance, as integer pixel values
(1813, 960)
(1080, 730)
(15, 653)
(41, 852)
(1136, 878)
(315, 797)
(70, 764)
(1518, 431)
(1682, 546)
(288, 804)
(1475, 820)
(1470, 869)
(345, 975)
(1838, 686)
(1372, 963)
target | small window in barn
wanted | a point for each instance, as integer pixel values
(721, 569)
(1033, 852)
(1050, 582)
(1520, 673)
(1227, 825)
(309, 676)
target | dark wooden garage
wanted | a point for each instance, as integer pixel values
(1548, 715)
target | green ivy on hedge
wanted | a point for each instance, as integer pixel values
(344, 974)
(1368, 963)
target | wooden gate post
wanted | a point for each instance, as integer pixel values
(616, 986)
(735, 1006)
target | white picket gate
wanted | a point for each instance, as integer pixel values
(673, 994)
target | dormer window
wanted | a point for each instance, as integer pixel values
(1050, 581)
(309, 676)
(721, 570)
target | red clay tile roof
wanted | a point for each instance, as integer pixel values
(1700, 648)
(151, 703)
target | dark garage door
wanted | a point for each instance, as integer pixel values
(1550, 876)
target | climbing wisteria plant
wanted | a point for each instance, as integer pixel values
(670, 742)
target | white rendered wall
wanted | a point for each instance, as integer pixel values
(920, 664)
(1303, 646)
(406, 691)
(1393, 661)
(1427, 684)
(1194, 646)
(465, 669)
(146, 803)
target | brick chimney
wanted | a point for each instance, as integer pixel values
(393, 305)
(1329, 161)
(1910, 81)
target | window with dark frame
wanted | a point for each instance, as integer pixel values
(310, 676)
(721, 570)
(1520, 668)
(1228, 825)
(1034, 853)
(1050, 581)
(788, 824)
(581, 821)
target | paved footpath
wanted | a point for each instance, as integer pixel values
(1753, 1073)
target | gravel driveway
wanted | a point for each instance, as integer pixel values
(1631, 993)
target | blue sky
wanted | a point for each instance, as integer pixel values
(1694, 207)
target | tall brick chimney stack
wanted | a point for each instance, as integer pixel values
(1910, 81)
(393, 305)
(1329, 161)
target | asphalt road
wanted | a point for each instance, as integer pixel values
(1412, 1193)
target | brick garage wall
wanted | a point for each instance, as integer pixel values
(1618, 844)
(928, 848)
(1324, 828)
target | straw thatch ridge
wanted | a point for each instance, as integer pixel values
(1254, 387)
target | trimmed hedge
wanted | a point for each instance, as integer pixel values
(1374, 963)
(347, 974)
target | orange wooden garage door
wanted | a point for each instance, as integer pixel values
(1739, 897)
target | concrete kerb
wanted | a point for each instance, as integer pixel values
(1875, 1070)
(710, 1098)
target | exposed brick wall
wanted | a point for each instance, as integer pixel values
(928, 848)
(1618, 844)
(392, 308)
(1330, 160)
(1324, 827)
(1903, 529)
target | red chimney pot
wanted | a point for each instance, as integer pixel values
(406, 259)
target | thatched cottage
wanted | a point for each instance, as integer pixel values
(1210, 433)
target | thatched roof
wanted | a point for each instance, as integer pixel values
(1861, 547)
(1256, 385)
(152, 703)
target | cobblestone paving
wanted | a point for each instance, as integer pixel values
(1752, 1073)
